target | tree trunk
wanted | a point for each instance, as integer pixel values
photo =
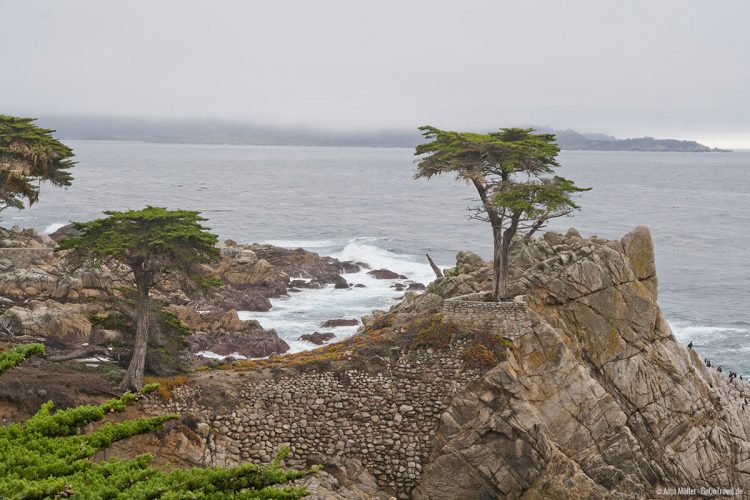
(435, 268)
(501, 263)
(134, 376)
(498, 278)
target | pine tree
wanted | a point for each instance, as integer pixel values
(153, 243)
(29, 155)
(511, 171)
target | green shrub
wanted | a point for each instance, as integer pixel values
(433, 333)
(11, 358)
(208, 282)
(113, 373)
(48, 457)
(169, 318)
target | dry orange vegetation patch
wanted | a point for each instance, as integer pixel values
(166, 384)
(386, 339)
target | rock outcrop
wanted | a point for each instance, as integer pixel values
(42, 296)
(226, 334)
(386, 274)
(59, 325)
(318, 338)
(599, 399)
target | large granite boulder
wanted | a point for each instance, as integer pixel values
(59, 325)
(227, 334)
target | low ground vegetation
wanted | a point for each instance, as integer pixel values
(47, 456)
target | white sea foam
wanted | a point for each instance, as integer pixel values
(94, 360)
(305, 311)
(53, 227)
(687, 331)
(213, 355)
(312, 245)
(413, 267)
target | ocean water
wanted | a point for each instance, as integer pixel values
(363, 204)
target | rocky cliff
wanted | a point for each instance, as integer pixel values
(598, 399)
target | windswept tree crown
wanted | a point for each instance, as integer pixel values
(512, 170)
(483, 156)
(29, 155)
(150, 241)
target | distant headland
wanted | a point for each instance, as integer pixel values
(571, 140)
(208, 131)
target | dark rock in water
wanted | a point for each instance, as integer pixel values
(340, 282)
(385, 274)
(294, 290)
(245, 300)
(305, 284)
(299, 262)
(318, 338)
(360, 285)
(226, 334)
(64, 233)
(350, 267)
(332, 323)
(416, 286)
(398, 286)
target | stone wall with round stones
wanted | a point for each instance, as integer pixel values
(507, 319)
(387, 419)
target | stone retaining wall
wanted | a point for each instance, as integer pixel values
(387, 419)
(507, 319)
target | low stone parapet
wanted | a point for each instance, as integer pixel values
(474, 312)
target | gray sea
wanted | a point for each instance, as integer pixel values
(363, 204)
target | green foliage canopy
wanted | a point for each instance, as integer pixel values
(151, 241)
(29, 155)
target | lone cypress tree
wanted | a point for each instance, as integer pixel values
(48, 456)
(154, 243)
(29, 155)
(512, 173)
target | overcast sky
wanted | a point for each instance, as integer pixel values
(676, 68)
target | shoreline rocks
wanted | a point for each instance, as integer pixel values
(318, 338)
(386, 274)
(333, 323)
(226, 334)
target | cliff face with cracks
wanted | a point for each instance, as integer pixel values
(598, 399)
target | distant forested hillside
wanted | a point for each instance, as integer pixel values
(231, 132)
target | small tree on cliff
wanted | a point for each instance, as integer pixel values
(29, 155)
(512, 172)
(153, 243)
